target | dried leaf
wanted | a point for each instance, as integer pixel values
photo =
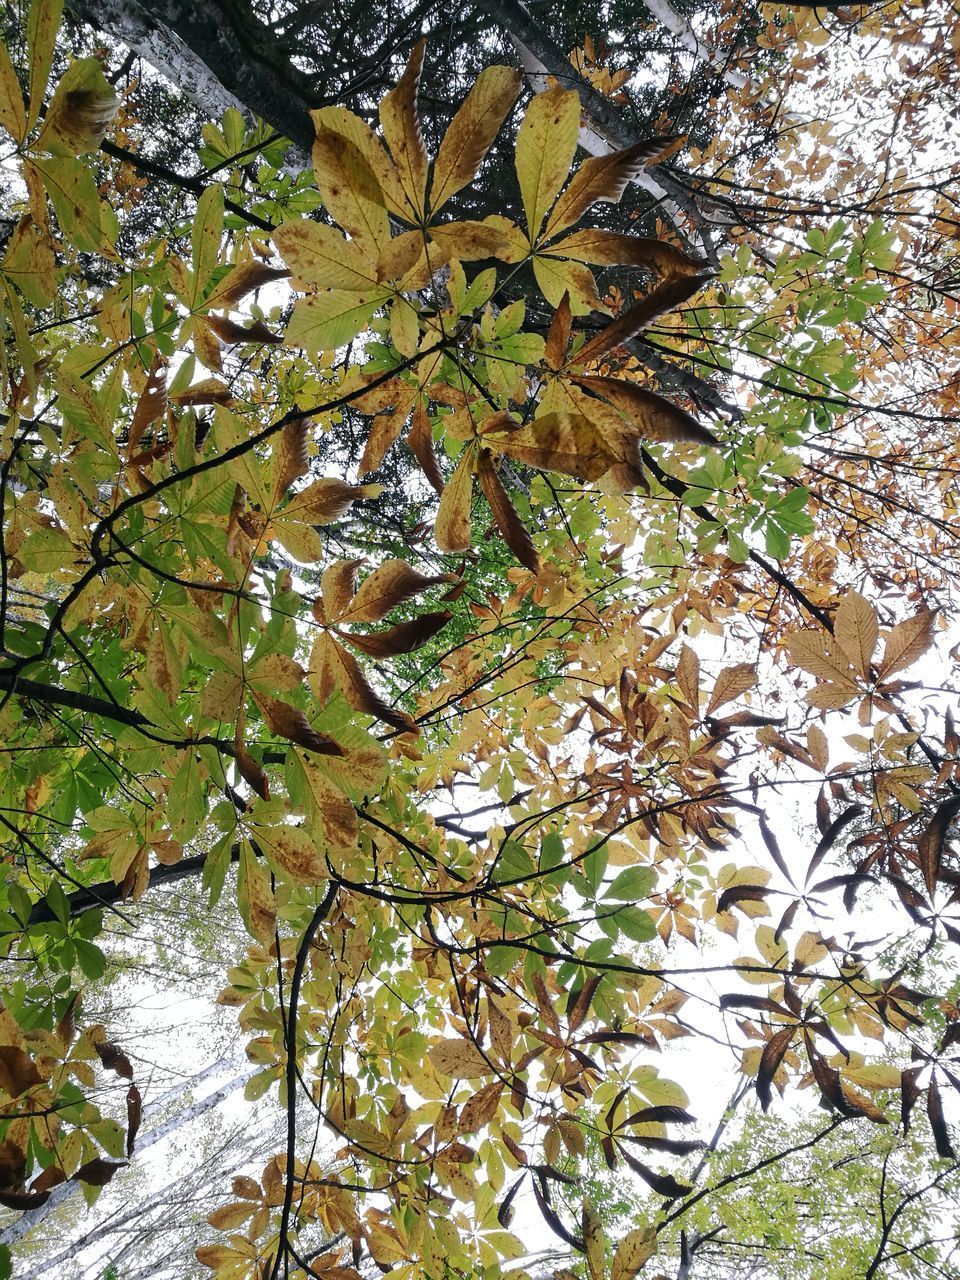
(290, 458)
(18, 1071)
(652, 416)
(290, 722)
(856, 631)
(605, 178)
(97, 1172)
(134, 1116)
(730, 684)
(931, 841)
(667, 297)
(400, 122)
(770, 1060)
(233, 334)
(114, 1059)
(938, 1124)
(558, 336)
(611, 248)
(504, 513)
(405, 637)
(907, 642)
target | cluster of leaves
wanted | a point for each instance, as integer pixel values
(180, 623)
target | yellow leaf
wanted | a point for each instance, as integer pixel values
(30, 262)
(856, 631)
(80, 111)
(72, 189)
(594, 1242)
(635, 1249)
(471, 132)
(321, 257)
(401, 128)
(325, 321)
(43, 26)
(468, 241)
(558, 279)
(452, 527)
(458, 1058)
(351, 193)
(546, 142)
(360, 135)
(564, 442)
(877, 1075)
(292, 851)
(13, 117)
(907, 642)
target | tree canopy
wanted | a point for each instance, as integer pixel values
(478, 495)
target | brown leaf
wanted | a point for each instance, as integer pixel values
(242, 278)
(610, 248)
(931, 842)
(580, 1007)
(13, 1164)
(18, 1071)
(770, 1060)
(114, 1059)
(400, 122)
(290, 722)
(856, 631)
(251, 772)
(665, 298)
(909, 1093)
(98, 1172)
(67, 1027)
(662, 1183)
(290, 458)
(358, 692)
(405, 637)
(906, 643)
(23, 1200)
(829, 838)
(558, 336)
(651, 415)
(52, 1176)
(134, 1116)
(741, 893)
(233, 334)
(151, 406)
(391, 584)
(420, 443)
(941, 1135)
(471, 132)
(730, 684)
(481, 1108)
(508, 522)
(208, 391)
(605, 178)
(385, 429)
(687, 676)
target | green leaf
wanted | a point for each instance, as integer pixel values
(632, 884)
